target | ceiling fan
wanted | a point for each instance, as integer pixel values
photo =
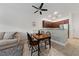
(39, 9)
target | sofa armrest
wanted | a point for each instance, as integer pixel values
(21, 37)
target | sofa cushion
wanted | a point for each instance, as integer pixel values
(7, 42)
(1, 35)
(9, 35)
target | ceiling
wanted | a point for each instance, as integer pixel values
(20, 14)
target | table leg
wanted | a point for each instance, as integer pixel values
(49, 43)
(38, 49)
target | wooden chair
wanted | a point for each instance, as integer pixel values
(33, 44)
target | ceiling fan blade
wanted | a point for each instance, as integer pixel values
(34, 7)
(36, 11)
(44, 9)
(41, 5)
(40, 13)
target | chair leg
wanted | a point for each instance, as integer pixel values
(29, 47)
(31, 51)
(45, 44)
(49, 43)
(38, 50)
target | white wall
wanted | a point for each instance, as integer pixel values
(75, 25)
(6, 28)
(16, 15)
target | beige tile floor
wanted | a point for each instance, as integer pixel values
(70, 49)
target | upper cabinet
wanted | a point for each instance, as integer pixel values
(58, 24)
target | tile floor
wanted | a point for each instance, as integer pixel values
(70, 49)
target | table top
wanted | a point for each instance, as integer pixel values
(40, 36)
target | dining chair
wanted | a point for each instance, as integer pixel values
(48, 33)
(33, 45)
(42, 32)
(47, 41)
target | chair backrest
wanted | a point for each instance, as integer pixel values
(29, 37)
(42, 32)
(48, 33)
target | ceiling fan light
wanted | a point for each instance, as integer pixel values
(39, 9)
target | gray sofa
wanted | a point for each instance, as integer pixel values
(11, 47)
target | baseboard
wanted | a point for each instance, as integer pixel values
(62, 44)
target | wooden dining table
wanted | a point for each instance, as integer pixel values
(41, 37)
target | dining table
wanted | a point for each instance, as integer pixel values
(42, 37)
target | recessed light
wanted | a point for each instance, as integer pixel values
(55, 13)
